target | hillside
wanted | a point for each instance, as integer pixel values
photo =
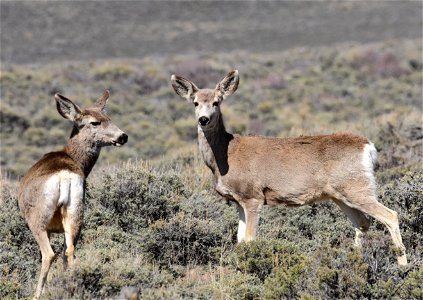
(365, 89)
(153, 221)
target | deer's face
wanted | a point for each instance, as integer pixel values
(92, 123)
(96, 126)
(206, 101)
(207, 110)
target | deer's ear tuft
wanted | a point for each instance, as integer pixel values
(67, 108)
(184, 87)
(229, 84)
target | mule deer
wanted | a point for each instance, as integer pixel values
(51, 194)
(254, 170)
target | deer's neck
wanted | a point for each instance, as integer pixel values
(213, 143)
(83, 151)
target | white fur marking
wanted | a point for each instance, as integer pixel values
(64, 189)
(76, 195)
(51, 190)
(369, 160)
(242, 226)
(65, 183)
(204, 112)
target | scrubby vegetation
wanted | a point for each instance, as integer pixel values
(153, 221)
(149, 228)
(372, 89)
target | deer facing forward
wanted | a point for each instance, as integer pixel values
(51, 194)
(254, 170)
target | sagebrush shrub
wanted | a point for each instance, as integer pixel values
(198, 234)
(182, 240)
(19, 252)
(405, 195)
(133, 198)
(265, 257)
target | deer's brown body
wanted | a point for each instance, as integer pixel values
(254, 170)
(296, 171)
(51, 194)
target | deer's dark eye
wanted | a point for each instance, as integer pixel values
(96, 123)
(216, 103)
(195, 103)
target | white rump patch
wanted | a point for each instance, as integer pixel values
(66, 188)
(369, 160)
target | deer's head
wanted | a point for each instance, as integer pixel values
(206, 101)
(92, 122)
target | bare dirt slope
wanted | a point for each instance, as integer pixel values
(46, 31)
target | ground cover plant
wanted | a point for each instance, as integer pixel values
(153, 221)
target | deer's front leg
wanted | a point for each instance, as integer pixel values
(252, 210)
(249, 214)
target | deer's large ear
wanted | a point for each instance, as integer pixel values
(102, 101)
(184, 87)
(229, 84)
(67, 108)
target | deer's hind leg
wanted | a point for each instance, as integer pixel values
(47, 255)
(390, 219)
(252, 212)
(249, 216)
(72, 214)
(365, 201)
(359, 220)
(72, 230)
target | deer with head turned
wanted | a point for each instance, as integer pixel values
(255, 170)
(51, 194)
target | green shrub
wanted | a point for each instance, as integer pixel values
(229, 284)
(184, 239)
(264, 257)
(19, 252)
(405, 195)
(339, 273)
(412, 287)
(306, 226)
(286, 282)
(199, 234)
(133, 198)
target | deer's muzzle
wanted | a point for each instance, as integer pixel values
(122, 139)
(203, 121)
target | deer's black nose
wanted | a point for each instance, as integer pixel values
(123, 138)
(204, 121)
